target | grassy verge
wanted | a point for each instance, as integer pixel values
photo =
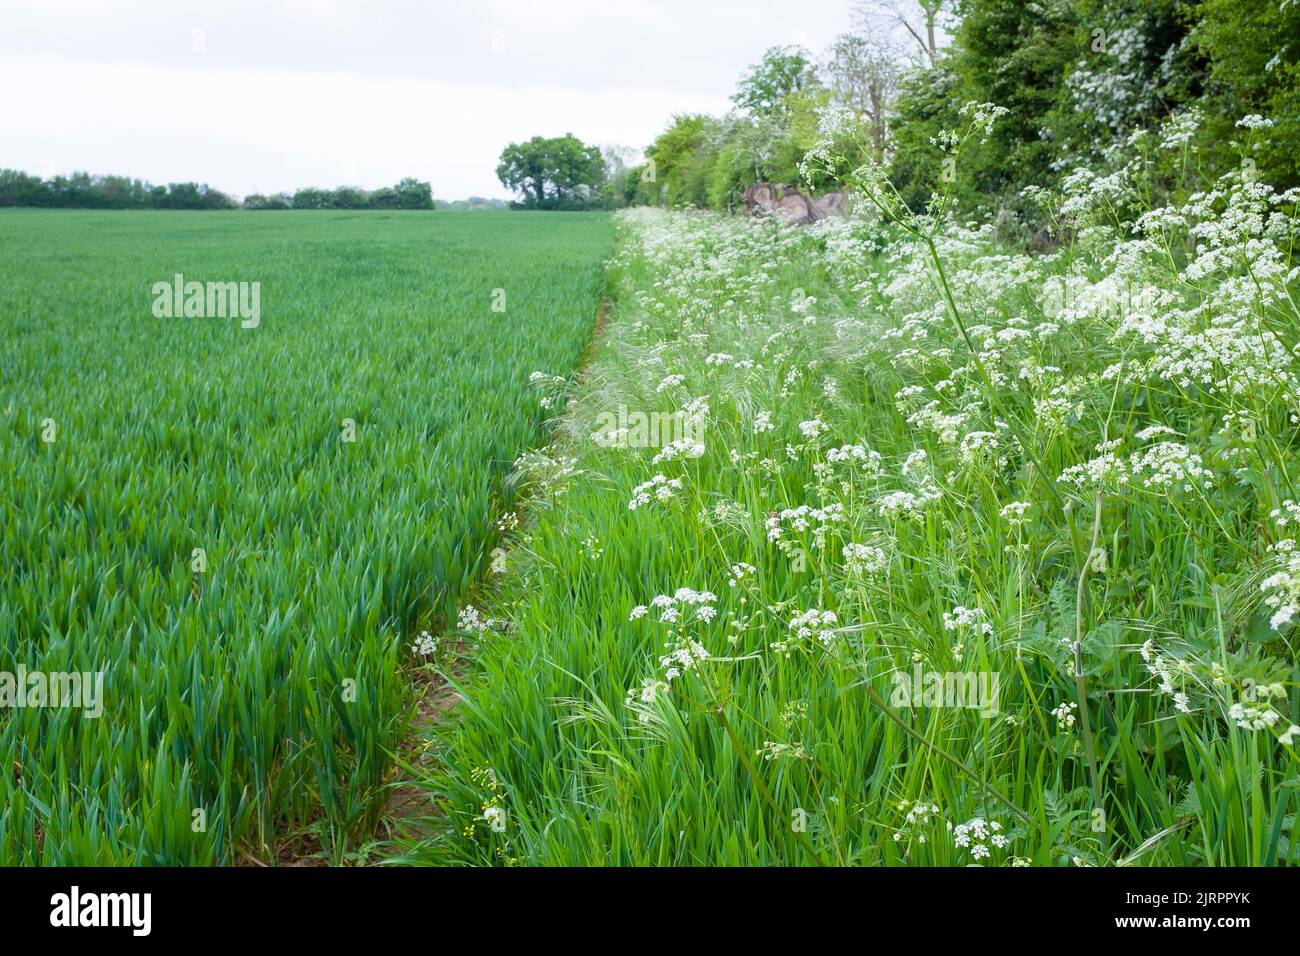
(1013, 589)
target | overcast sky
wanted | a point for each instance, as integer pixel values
(271, 95)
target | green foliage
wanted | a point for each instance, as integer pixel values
(1254, 68)
(927, 104)
(275, 201)
(553, 173)
(83, 191)
(678, 154)
(765, 88)
(410, 193)
(313, 199)
(414, 194)
(1080, 77)
(1014, 54)
(385, 198)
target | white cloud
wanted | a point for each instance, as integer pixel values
(293, 93)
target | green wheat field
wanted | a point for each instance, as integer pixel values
(340, 466)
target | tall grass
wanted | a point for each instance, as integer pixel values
(1069, 473)
(257, 701)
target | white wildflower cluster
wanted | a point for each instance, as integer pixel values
(946, 424)
(967, 618)
(1256, 715)
(918, 821)
(472, 622)
(917, 462)
(1180, 128)
(1162, 467)
(682, 657)
(641, 700)
(983, 116)
(861, 560)
(763, 422)
(738, 572)
(546, 475)
(678, 449)
(813, 428)
(551, 387)
(660, 489)
(682, 608)
(425, 645)
(801, 519)
(977, 447)
(697, 605)
(1259, 710)
(979, 836)
(1151, 431)
(1282, 587)
(1015, 513)
(1172, 675)
(806, 627)
(1065, 715)
(870, 460)
(1254, 121)
(908, 504)
(1169, 465)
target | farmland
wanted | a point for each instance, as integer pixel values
(242, 526)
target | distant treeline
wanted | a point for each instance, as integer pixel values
(84, 191)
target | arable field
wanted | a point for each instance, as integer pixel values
(243, 528)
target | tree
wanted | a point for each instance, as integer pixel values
(551, 172)
(216, 199)
(414, 194)
(783, 70)
(20, 189)
(914, 17)
(276, 201)
(1248, 76)
(620, 187)
(863, 75)
(183, 196)
(349, 197)
(1015, 55)
(523, 168)
(679, 166)
(385, 198)
(312, 198)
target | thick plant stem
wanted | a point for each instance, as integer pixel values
(1079, 685)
